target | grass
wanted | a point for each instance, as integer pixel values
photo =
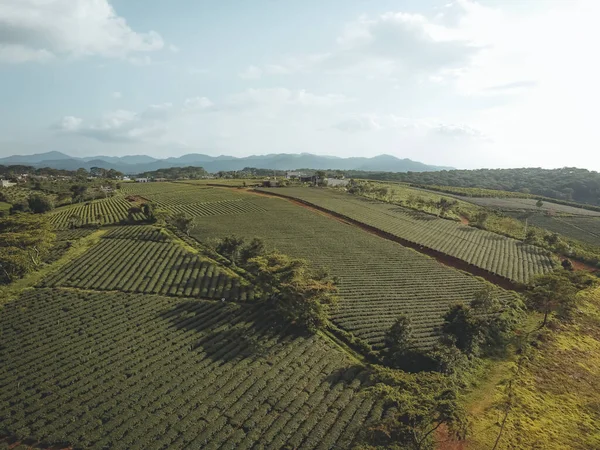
(556, 396)
(79, 247)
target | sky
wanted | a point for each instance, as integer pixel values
(456, 83)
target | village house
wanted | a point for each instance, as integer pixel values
(294, 175)
(336, 182)
(6, 183)
(142, 180)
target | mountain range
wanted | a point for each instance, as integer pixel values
(132, 164)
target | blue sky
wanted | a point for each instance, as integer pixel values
(464, 83)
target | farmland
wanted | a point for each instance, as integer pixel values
(581, 228)
(496, 254)
(529, 204)
(194, 199)
(379, 279)
(141, 259)
(118, 370)
(107, 211)
(143, 338)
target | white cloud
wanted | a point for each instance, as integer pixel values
(16, 54)
(198, 71)
(118, 126)
(279, 97)
(70, 123)
(457, 131)
(116, 95)
(251, 73)
(37, 30)
(398, 124)
(197, 104)
(391, 44)
(174, 48)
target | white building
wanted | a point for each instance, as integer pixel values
(6, 183)
(141, 180)
(335, 182)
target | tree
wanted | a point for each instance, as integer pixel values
(539, 203)
(398, 337)
(25, 240)
(299, 294)
(418, 406)
(445, 205)
(530, 237)
(182, 222)
(132, 212)
(74, 221)
(148, 210)
(231, 248)
(461, 324)
(480, 219)
(79, 191)
(567, 264)
(556, 293)
(253, 249)
(40, 203)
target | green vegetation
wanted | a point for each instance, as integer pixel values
(175, 173)
(25, 241)
(547, 396)
(377, 279)
(145, 260)
(501, 256)
(207, 317)
(94, 370)
(299, 294)
(113, 210)
(568, 183)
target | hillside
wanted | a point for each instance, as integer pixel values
(282, 161)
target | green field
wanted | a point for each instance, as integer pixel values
(194, 199)
(142, 259)
(379, 279)
(529, 204)
(112, 210)
(496, 254)
(132, 371)
(581, 228)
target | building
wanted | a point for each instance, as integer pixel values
(141, 180)
(6, 183)
(336, 182)
(294, 175)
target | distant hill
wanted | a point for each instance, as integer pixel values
(132, 164)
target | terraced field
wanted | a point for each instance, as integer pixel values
(528, 204)
(106, 211)
(496, 254)
(132, 371)
(379, 279)
(142, 259)
(194, 199)
(580, 228)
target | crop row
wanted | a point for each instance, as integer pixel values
(584, 229)
(378, 279)
(179, 193)
(105, 211)
(497, 254)
(139, 232)
(216, 208)
(137, 265)
(530, 204)
(136, 371)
